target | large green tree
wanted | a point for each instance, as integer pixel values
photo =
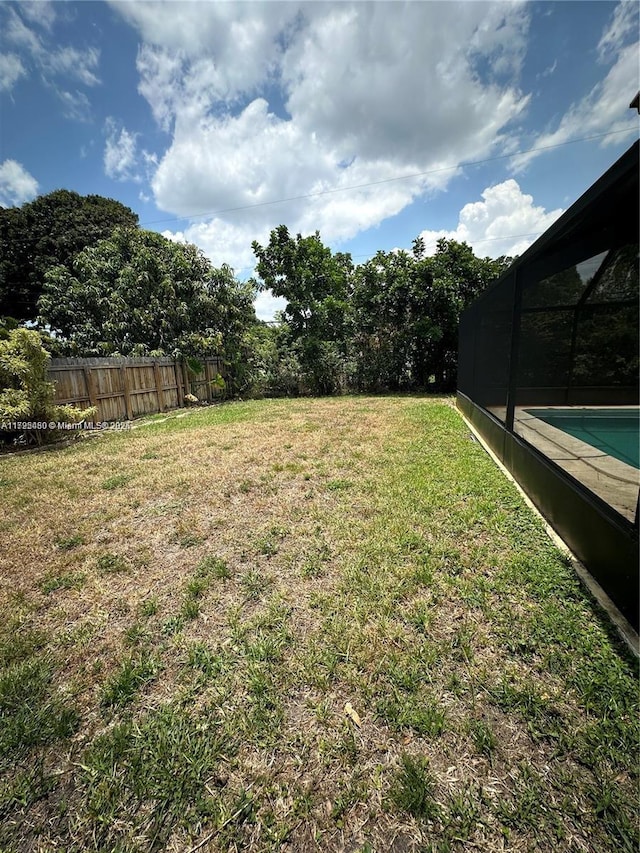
(406, 311)
(391, 321)
(47, 232)
(138, 293)
(390, 324)
(458, 278)
(317, 286)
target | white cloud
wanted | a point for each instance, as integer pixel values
(39, 12)
(56, 65)
(120, 153)
(78, 64)
(11, 69)
(16, 32)
(150, 159)
(605, 109)
(328, 96)
(502, 36)
(229, 47)
(16, 184)
(550, 69)
(506, 222)
(224, 242)
(256, 158)
(160, 82)
(75, 105)
(176, 236)
(358, 75)
(267, 305)
(623, 24)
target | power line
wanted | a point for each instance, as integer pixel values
(386, 180)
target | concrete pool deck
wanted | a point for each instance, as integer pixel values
(612, 480)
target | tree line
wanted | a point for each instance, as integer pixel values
(82, 271)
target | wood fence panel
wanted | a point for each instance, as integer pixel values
(170, 395)
(122, 388)
(200, 386)
(71, 385)
(214, 367)
(159, 387)
(109, 385)
(142, 390)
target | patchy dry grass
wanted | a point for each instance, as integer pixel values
(187, 607)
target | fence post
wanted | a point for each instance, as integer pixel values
(209, 377)
(159, 388)
(125, 388)
(179, 389)
(185, 376)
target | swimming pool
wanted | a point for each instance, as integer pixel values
(615, 432)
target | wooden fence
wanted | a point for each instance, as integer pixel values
(126, 388)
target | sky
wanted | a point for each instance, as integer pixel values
(371, 122)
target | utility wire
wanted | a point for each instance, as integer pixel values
(386, 180)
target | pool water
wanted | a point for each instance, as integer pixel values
(615, 432)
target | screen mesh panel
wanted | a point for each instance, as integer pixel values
(567, 336)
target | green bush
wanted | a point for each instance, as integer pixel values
(26, 396)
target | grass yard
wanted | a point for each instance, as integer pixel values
(187, 608)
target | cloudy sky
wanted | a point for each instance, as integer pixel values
(372, 122)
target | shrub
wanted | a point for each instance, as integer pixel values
(25, 394)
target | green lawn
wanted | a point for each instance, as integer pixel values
(187, 608)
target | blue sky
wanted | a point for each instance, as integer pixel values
(217, 121)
